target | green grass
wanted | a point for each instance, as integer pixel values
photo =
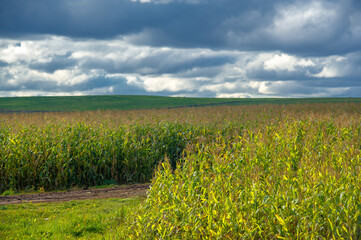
(83, 103)
(85, 219)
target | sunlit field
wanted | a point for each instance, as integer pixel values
(228, 172)
(85, 219)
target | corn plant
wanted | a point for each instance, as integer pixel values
(291, 180)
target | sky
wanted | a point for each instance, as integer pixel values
(190, 48)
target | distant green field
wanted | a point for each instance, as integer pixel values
(84, 103)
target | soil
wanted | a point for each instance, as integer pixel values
(125, 191)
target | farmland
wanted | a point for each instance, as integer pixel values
(260, 171)
(131, 102)
(92, 103)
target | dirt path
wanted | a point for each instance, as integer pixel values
(125, 191)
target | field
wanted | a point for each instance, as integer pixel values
(265, 171)
(123, 102)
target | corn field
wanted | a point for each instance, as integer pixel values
(242, 172)
(59, 157)
(291, 180)
(59, 151)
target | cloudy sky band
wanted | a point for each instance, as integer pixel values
(181, 48)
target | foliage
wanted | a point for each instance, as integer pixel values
(60, 156)
(292, 179)
(241, 172)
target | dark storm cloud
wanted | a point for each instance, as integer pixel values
(335, 82)
(76, 18)
(156, 64)
(57, 62)
(3, 64)
(331, 27)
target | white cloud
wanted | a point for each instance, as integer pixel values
(39, 50)
(167, 83)
(29, 93)
(220, 87)
(340, 66)
(118, 67)
(264, 87)
(328, 72)
(286, 62)
(233, 95)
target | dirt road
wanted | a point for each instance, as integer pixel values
(125, 191)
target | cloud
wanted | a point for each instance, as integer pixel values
(61, 64)
(169, 1)
(126, 58)
(284, 62)
(205, 48)
(347, 67)
(297, 89)
(57, 62)
(306, 23)
(311, 28)
(55, 65)
(3, 63)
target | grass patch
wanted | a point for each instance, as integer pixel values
(85, 219)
